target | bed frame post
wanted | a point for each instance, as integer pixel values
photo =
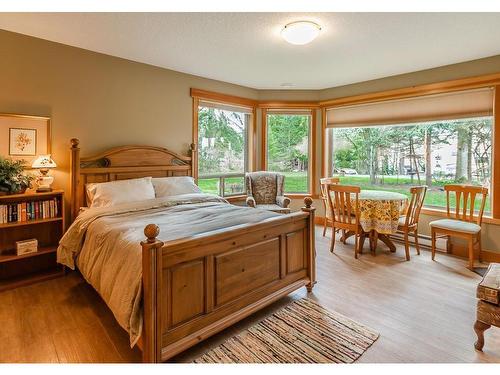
(311, 262)
(151, 279)
(75, 176)
(194, 161)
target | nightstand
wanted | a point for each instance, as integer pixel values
(30, 216)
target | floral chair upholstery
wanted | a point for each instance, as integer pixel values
(265, 191)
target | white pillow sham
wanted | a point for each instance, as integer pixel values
(106, 194)
(168, 186)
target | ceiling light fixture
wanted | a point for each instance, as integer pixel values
(301, 32)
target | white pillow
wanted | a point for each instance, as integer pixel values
(108, 194)
(168, 186)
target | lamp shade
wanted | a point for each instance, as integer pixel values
(301, 32)
(43, 162)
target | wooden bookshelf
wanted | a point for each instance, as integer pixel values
(10, 255)
(16, 271)
(31, 222)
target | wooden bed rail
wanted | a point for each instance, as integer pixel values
(151, 263)
(197, 286)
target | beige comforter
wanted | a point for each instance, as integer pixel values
(105, 243)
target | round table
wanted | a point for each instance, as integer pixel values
(379, 213)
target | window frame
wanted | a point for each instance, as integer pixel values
(289, 108)
(235, 101)
(416, 91)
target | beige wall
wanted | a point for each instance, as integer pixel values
(292, 95)
(107, 101)
(102, 100)
(473, 68)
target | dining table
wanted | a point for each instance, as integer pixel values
(379, 213)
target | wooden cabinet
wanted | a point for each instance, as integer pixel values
(17, 270)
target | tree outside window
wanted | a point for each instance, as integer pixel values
(288, 149)
(222, 150)
(395, 157)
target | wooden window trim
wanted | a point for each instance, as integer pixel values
(415, 91)
(288, 105)
(199, 95)
(194, 143)
(223, 98)
(311, 148)
(495, 181)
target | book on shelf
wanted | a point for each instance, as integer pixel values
(30, 210)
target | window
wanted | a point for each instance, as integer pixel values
(434, 139)
(287, 142)
(395, 157)
(223, 134)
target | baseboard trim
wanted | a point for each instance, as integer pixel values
(456, 250)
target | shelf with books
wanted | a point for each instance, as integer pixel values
(31, 222)
(41, 221)
(29, 207)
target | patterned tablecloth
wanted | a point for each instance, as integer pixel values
(380, 210)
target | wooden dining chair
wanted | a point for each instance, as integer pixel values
(461, 222)
(343, 201)
(328, 214)
(408, 223)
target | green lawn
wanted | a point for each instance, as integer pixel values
(435, 195)
(296, 182)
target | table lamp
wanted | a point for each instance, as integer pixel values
(44, 163)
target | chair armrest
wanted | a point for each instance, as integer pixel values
(250, 201)
(282, 201)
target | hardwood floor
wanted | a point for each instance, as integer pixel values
(423, 310)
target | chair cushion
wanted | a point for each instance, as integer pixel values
(273, 207)
(264, 187)
(489, 288)
(456, 225)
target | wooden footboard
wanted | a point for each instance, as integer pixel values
(196, 287)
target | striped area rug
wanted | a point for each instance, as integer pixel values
(301, 332)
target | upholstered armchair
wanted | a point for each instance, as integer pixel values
(265, 191)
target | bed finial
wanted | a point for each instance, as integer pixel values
(74, 164)
(151, 232)
(308, 202)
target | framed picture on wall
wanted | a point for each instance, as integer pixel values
(24, 137)
(22, 142)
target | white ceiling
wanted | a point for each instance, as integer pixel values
(246, 48)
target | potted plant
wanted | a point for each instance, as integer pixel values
(13, 180)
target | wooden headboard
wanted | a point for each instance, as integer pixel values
(121, 163)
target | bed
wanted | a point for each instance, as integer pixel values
(176, 270)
